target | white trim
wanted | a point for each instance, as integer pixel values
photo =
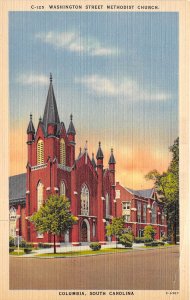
(27, 192)
(56, 189)
(134, 209)
(48, 188)
(75, 193)
(42, 166)
(102, 198)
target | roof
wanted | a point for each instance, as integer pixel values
(93, 161)
(99, 154)
(71, 129)
(112, 158)
(30, 128)
(51, 115)
(17, 188)
(147, 193)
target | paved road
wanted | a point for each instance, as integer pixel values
(156, 269)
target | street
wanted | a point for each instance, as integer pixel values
(153, 269)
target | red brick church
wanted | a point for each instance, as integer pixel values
(52, 167)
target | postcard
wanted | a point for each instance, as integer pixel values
(94, 152)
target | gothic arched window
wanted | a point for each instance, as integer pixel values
(84, 201)
(107, 206)
(40, 152)
(154, 213)
(62, 188)
(62, 152)
(40, 190)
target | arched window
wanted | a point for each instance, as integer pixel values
(62, 152)
(40, 152)
(84, 201)
(40, 189)
(154, 213)
(107, 206)
(62, 188)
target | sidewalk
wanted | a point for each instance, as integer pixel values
(69, 248)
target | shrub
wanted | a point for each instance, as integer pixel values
(160, 243)
(139, 240)
(23, 244)
(164, 238)
(11, 249)
(151, 244)
(126, 239)
(95, 246)
(27, 250)
(42, 245)
(149, 232)
(11, 241)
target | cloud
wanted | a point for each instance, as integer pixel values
(102, 86)
(31, 79)
(74, 42)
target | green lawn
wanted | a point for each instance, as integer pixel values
(155, 247)
(17, 253)
(84, 252)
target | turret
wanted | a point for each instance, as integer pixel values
(93, 161)
(30, 131)
(71, 138)
(112, 161)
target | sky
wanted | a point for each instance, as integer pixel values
(116, 72)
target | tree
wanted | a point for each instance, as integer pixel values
(126, 239)
(116, 228)
(167, 187)
(149, 232)
(54, 216)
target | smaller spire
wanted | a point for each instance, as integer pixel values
(112, 158)
(86, 147)
(99, 154)
(50, 78)
(40, 119)
(30, 128)
(93, 161)
(71, 129)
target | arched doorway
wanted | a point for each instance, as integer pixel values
(85, 231)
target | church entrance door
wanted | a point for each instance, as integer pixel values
(85, 231)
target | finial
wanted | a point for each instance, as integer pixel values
(99, 144)
(86, 146)
(80, 149)
(30, 117)
(40, 119)
(71, 117)
(112, 150)
(50, 77)
(92, 155)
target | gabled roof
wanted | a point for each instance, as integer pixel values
(147, 193)
(17, 188)
(51, 115)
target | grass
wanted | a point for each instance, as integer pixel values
(17, 253)
(84, 252)
(155, 247)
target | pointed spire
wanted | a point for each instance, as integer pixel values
(86, 146)
(112, 158)
(93, 161)
(30, 128)
(71, 129)
(51, 115)
(99, 154)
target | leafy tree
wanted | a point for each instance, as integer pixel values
(116, 228)
(167, 186)
(126, 239)
(149, 232)
(54, 216)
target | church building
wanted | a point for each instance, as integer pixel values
(54, 168)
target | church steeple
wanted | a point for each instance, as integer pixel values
(99, 154)
(51, 115)
(30, 128)
(112, 158)
(71, 129)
